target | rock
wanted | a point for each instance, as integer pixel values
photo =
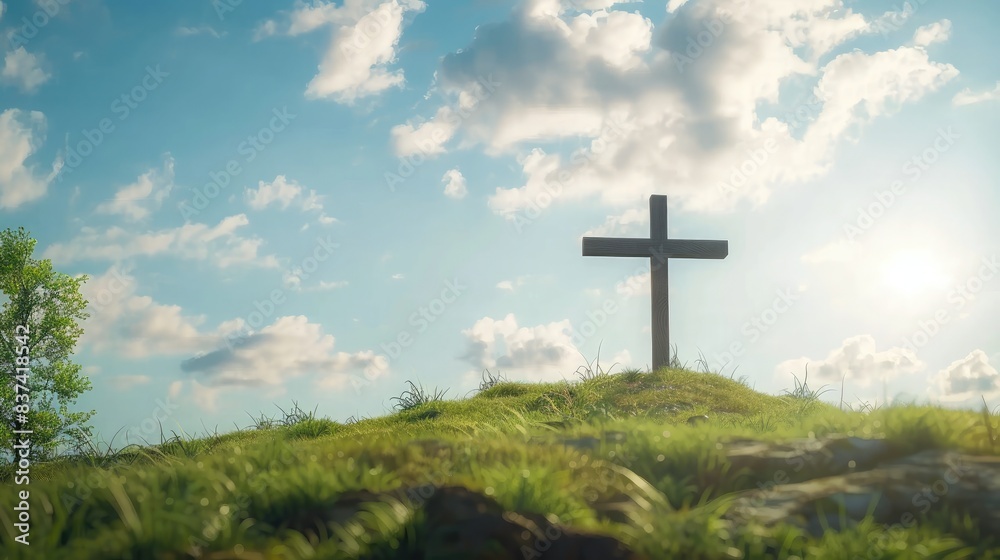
(464, 524)
(807, 458)
(699, 419)
(899, 492)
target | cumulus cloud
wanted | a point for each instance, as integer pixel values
(539, 353)
(137, 200)
(288, 348)
(651, 115)
(968, 97)
(637, 284)
(971, 377)
(621, 224)
(24, 70)
(221, 244)
(134, 326)
(21, 134)
(284, 192)
(936, 32)
(364, 41)
(858, 360)
(511, 285)
(454, 184)
(280, 192)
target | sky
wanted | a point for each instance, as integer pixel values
(317, 202)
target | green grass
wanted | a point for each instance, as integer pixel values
(262, 492)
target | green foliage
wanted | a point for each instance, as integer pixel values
(50, 305)
(416, 396)
(271, 491)
(489, 381)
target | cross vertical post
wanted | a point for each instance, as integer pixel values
(658, 248)
(658, 283)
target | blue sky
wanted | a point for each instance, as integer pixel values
(320, 201)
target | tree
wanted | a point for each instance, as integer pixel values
(49, 304)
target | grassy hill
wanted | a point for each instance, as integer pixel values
(611, 466)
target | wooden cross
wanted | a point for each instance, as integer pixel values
(658, 247)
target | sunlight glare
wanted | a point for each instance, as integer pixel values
(914, 272)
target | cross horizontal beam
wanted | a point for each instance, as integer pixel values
(654, 248)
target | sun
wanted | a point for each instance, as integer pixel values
(913, 272)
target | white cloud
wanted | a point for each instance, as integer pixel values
(648, 121)
(21, 134)
(540, 353)
(284, 192)
(280, 191)
(366, 34)
(288, 348)
(136, 200)
(23, 69)
(324, 285)
(635, 285)
(293, 282)
(205, 397)
(397, 276)
(967, 97)
(969, 378)
(622, 224)
(511, 285)
(936, 32)
(220, 244)
(174, 389)
(858, 360)
(135, 326)
(428, 137)
(454, 184)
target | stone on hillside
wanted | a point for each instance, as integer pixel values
(803, 459)
(699, 419)
(905, 489)
(464, 524)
